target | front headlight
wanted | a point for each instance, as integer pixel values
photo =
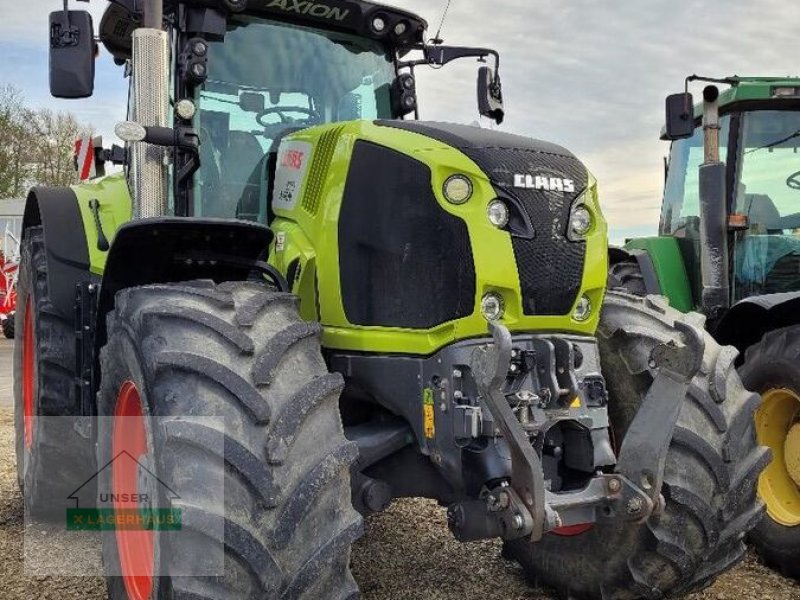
(580, 221)
(581, 217)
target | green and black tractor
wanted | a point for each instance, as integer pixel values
(298, 302)
(729, 246)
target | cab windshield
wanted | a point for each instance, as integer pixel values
(268, 79)
(767, 254)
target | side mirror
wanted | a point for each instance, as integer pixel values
(490, 95)
(72, 53)
(680, 117)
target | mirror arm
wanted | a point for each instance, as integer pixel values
(439, 56)
(442, 55)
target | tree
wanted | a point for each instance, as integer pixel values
(36, 146)
(53, 157)
(16, 139)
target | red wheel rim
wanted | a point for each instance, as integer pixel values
(28, 359)
(135, 546)
(572, 530)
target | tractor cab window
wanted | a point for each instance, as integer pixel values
(268, 79)
(767, 254)
(680, 216)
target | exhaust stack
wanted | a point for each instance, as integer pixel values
(713, 213)
(151, 98)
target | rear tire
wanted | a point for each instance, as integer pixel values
(627, 276)
(8, 327)
(709, 483)
(53, 461)
(241, 352)
(774, 365)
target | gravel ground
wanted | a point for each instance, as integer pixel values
(406, 554)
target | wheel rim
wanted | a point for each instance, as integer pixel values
(778, 426)
(135, 546)
(573, 530)
(28, 359)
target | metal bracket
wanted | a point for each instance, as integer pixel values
(86, 295)
(643, 455)
(490, 365)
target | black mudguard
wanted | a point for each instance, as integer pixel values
(174, 249)
(748, 320)
(56, 210)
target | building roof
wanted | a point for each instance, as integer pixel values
(12, 208)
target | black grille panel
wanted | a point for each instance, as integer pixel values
(550, 266)
(404, 261)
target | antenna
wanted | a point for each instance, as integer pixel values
(437, 40)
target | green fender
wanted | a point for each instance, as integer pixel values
(670, 270)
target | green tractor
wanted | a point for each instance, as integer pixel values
(729, 246)
(376, 307)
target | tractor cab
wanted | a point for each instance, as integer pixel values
(244, 74)
(759, 138)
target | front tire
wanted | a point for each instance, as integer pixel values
(772, 368)
(52, 457)
(709, 481)
(181, 352)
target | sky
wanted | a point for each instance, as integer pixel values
(590, 75)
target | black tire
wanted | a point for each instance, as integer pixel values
(774, 363)
(627, 276)
(709, 483)
(239, 351)
(8, 327)
(58, 459)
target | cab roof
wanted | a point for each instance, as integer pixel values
(742, 90)
(395, 27)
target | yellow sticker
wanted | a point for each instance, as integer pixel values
(576, 403)
(428, 417)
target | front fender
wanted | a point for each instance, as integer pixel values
(174, 249)
(68, 263)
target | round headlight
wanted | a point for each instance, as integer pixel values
(583, 310)
(458, 189)
(581, 221)
(400, 28)
(492, 306)
(498, 214)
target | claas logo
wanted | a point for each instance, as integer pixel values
(293, 159)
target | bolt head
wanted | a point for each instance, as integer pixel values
(635, 505)
(519, 522)
(614, 485)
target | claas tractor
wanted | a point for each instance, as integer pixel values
(298, 302)
(729, 246)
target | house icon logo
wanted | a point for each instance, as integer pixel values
(146, 503)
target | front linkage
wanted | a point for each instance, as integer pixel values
(524, 506)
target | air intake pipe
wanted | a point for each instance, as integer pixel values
(150, 94)
(713, 214)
